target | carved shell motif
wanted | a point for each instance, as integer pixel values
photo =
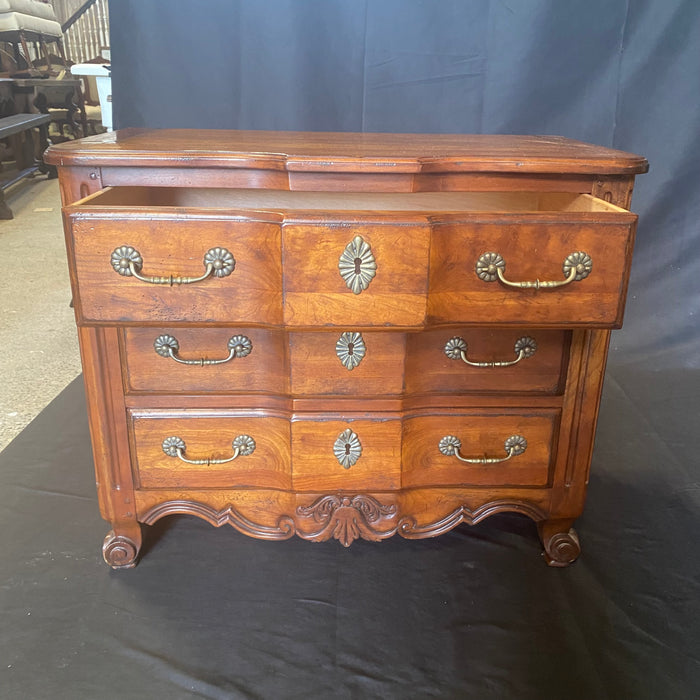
(357, 265)
(350, 349)
(347, 448)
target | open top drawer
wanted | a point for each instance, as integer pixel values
(310, 259)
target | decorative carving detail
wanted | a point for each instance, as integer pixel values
(579, 260)
(350, 349)
(347, 518)
(357, 265)
(407, 525)
(119, 551)
(347, 448)
(560, 548)
(228, 516)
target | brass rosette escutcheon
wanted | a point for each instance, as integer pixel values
(357, 265)
(350, 349)
(347, 448)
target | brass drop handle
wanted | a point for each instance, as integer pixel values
(243, 445)
(451, 445)
(456, 348)
(168, 346)
(491, 267)
(127, 261)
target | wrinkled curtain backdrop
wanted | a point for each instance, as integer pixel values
(620, 73)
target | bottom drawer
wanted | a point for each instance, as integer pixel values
(194, 450)
(346, 454)
(503, 448)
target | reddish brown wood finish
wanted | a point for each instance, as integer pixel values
(208, 437)
(355, 153)
(252, 293)
(315, 466)
(534, 249)
(430, 370)
(482, 434)
(291, 393)
(263, 370)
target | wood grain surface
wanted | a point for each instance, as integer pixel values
(208, 437)
(482, 434)
(343, 152)
(315, 467)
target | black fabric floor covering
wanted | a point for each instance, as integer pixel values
(210, 613)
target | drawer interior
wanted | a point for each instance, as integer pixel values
(274, 200)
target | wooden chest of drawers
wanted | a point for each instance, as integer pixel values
(344, 335)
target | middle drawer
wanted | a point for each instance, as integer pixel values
(344, 362)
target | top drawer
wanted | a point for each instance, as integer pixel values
(141, 268)
(319, 259)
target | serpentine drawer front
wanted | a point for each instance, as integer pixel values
(343, 336)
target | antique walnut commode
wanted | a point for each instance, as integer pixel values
(344, 335)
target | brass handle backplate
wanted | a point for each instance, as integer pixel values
(491, 267)
(168, 346)
(514, 445)
(456, 348)
(127, 261)
(174, 446)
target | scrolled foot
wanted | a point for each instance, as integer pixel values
(120, 551)
(560, 542)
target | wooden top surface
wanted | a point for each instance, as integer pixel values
(344, 152)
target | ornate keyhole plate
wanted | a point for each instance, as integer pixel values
(357, 265)
(347, 448)
(350, 349)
